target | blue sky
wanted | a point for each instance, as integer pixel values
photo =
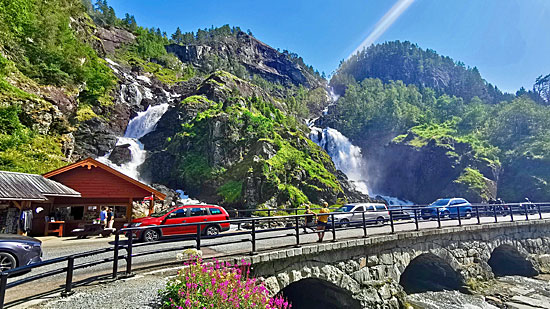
(507, 40)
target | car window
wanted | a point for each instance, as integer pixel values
(359, 208)
(345, 208)
(370, 208)
(198, 212)
(456, 202)
(215, 211)
(380, 207)
(180, 213)
(441, 202)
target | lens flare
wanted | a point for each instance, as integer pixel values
(384, 23)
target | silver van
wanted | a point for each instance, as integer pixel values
(375, 213)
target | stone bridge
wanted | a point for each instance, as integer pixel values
(375, 272)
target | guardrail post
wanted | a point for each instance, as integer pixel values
(495, 212)
(458, 215)
(438, 218)
(526, 213)
(477, 215)
(129, 255)
(297, 233)
(69, 278)
(364, 225)
(511, 213)
(198, 238)
(540, 213)
(253, 233)
(3, 284)
(269, 216)
(416, 217)
(333, 228)
(115, 254)
(391, 221)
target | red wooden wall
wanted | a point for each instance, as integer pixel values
(99, 183)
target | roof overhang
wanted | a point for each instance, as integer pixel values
(90, 163)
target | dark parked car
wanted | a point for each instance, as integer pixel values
(448, 207)
(17, 250)
(180, 215)
(398, 213)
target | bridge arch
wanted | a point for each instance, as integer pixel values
(507, 260)
(429, 272)
(319, 294)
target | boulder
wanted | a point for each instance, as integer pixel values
(121, 154)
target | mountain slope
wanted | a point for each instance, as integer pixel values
(424, 68)
(458, 139)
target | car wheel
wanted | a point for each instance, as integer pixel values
(468, 214)
(212, 230)
(7, 261)
(344, 223)
(150, 235)
(380, 221)
(446, 214)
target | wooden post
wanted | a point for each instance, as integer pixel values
(152, 205)
(129, 210)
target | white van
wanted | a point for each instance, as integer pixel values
(375, 213)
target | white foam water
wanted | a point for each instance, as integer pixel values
(145, 122)
(346, 156)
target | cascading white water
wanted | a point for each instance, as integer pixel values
(346, 156)
(138, 127)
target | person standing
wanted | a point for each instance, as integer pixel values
(110, 218)
(322, 221)
(103, 216)
(309, 219)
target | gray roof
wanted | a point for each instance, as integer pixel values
(25, 187)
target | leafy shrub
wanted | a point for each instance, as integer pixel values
(218, 285)
(231, 191)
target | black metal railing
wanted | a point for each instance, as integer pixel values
(395, 216)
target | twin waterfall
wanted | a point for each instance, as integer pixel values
(138, 127)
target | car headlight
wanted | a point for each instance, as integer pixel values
(28, 246)
(137, 224)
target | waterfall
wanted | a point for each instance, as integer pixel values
(346, 156)
(138, 127)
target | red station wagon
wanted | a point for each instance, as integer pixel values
(180, 215)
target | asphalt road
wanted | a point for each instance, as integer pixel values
(218, 247)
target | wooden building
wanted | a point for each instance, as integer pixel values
(99, 186)
(28, 195)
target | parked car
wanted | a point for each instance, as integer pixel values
(448, 207)
(398, 213)
(17, 251)
(353, 214)
(180, 215)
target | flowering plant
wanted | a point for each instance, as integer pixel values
(218, 285)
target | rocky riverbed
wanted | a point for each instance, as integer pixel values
(513, 292)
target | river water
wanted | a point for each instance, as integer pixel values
(506, 292)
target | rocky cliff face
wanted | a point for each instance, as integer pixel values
(136, 90)
(525, 176)
(229, 143)
(256, 57)
(421, 170)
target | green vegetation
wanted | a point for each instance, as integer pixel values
(231, 191)
(475, 181)
(39, 38)
(23, 150)
(392, 61)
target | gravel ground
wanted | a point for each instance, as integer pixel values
(138, 292)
